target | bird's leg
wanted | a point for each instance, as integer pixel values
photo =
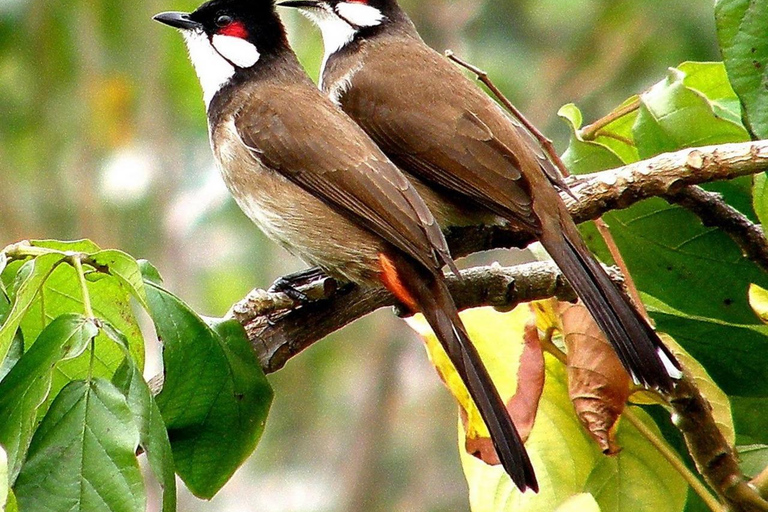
(292, 285)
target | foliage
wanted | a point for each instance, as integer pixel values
(76, 410)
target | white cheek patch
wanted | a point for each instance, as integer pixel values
(238, 51)
(212, 69)
(336, 32)
(359, 14)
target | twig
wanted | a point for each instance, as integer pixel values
(760, 482)
(674, 460)
(713, 456)
(591, 131)
(605, 232)
(715, 212)
(545, 142)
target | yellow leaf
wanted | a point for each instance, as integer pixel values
(583, 502)
(498, 338)
(758, 299)
(721, 405)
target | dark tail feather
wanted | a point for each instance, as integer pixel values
(639, 348)
(431, 294)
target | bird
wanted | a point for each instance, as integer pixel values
(472, 163)
(315, 183)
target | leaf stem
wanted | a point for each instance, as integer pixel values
(674, 460)
(23, 250)
(590, 132)
(77, 262)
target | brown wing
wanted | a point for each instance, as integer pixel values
(327, 154)
(442, 128)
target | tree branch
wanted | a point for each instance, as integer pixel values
(616, 189)
(279, 328)
(714, 212)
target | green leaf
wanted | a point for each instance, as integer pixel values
(694, 269)
(673, 116)
(26, 387)
(760, 197)
(583, 157)
(11, 505)
(83, 455)
(150, 272)
(711, 80)
(153, 436)
(111, 302)
(741, 32)
(83, 245)
(126, 269)
(30, 280)
(750, 419)
(639, 477)
(3, 264)
(753, 459)
(4, 483)
(705, 338)
(216, 419)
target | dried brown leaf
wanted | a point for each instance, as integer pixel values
(598, 384)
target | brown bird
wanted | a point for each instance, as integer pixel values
(313, 181)
(471, 162)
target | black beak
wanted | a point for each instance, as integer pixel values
(177, 20)
(300, 3)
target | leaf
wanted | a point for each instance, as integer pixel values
(673, 116)
(598, 384)
(507, 354)
(583, 502)
(126, 269)
(216, 419)
(4, 484)
(153, 436)
(758, 299)
(741, 373)
(3, 265)
(582, 156)
(753, 459)
(84, 245)
(639, 477)
(61, 294)
(760, 197)
(721, 405)
(750, 419)
(741, 33)
(561, 452)
(148, 418)
(30, 279)
(26, 387)
(79, 459)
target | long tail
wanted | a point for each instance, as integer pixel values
(639, 348)
(422, 290)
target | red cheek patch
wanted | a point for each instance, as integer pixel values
(364, 2)
(235, 29)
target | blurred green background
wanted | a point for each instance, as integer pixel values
(103, 136)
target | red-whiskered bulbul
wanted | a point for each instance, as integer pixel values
(442, 129)
(313, 181)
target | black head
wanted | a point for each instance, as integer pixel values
(225, 37)
(358, 13)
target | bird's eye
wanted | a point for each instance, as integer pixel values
(223, 20)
